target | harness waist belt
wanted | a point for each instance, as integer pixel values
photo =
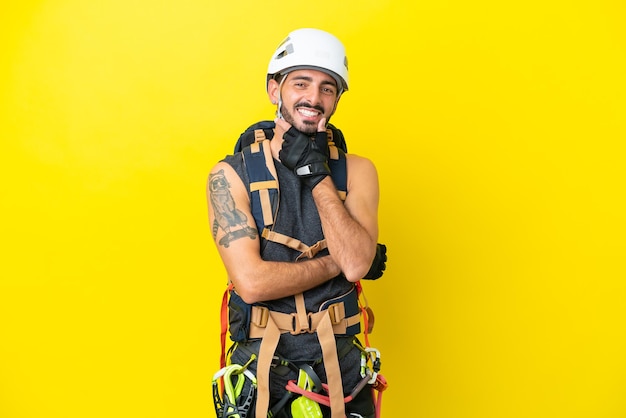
(291, 322)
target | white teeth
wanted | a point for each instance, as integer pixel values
(307, 112)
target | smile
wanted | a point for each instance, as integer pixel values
(308, 112)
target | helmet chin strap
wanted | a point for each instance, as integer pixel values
(280, 98)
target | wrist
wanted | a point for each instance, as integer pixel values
(313, 169)
(313, 181)
(332, 268)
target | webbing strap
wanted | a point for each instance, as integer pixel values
(294, 244)
(266, 207)
(266, 353)
(301, 310)
(331, 365)
(290, 323)
(259, 135)
(266, 201)
(332, 148)
(260, 185)
(263, 184)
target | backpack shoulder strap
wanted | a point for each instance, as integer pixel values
(337, 137)
(250, 135)
(337, 162)
(263, 187)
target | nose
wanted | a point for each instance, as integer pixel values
(314, 95)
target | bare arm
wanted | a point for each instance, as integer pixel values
(236, 237)
(350, 227)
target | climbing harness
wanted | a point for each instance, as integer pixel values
(340, 316)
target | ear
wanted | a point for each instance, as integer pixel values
(272, 91)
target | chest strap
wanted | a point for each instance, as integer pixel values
(294, 244)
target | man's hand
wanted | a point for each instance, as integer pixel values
(379, 264)
(306, 157)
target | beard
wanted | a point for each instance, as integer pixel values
(306, 127)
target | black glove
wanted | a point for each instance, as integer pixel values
(378, 265)
(305, 157)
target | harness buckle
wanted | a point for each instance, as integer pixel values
(337, 313)
(298, 328)
(311, 251)
(259, 316)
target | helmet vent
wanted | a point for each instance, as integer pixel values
(288, 50)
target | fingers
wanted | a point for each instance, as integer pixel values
(321, 126)
(282, 124)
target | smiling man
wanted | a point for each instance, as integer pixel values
(295, 221)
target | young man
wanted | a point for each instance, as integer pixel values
(286, 276)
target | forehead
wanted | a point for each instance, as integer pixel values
(313, 75)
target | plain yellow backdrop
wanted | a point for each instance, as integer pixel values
(498, 131)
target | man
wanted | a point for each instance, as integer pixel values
(289, 287)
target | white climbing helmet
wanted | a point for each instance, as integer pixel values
(311, 49)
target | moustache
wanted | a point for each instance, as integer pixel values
(307, 105)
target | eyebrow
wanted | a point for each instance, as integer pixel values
(310, 80)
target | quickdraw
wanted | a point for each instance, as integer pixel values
(233, 404)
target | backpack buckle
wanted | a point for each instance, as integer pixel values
(259, 316)
(337, 312)
(298, 328)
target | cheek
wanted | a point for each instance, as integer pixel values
(330, 107)
(288, 98)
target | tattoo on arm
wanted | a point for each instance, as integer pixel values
(227, 217)
(214, 229)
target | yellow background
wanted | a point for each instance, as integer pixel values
(498, 131)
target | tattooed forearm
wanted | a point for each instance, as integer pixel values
(227, 217)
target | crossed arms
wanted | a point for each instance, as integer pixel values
(350, 229)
